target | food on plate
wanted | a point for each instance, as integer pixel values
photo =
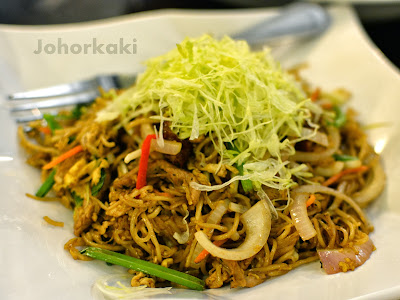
(216, 163)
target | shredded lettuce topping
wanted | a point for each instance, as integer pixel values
(223, 89)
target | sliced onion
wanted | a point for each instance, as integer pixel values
(315, 136)
(314, 188)
(218, 212)
(373, 187)
(132, 155)
(170, 147)
(301, 221)
(316, 156)
(351, 164)
(345, 259)
(215, 217)
(330, 170)
(257, 221)
(239, 208)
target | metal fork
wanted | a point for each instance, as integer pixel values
(296, 21)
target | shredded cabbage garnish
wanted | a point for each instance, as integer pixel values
(221, 88)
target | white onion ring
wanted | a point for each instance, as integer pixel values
(301, 221)
(257, 221)
(170, 147)
(317, 156)
(214, 218)
(354, 256)
(330, 170)
(317, 137)
(373, 187)
(312, 189)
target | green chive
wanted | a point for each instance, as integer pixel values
(47, 185)
(51, 122)
(145, 267)
(246, 184)
(340, 117)
(96, 188)
(77, 199)
(344, 157)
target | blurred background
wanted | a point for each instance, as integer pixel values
(380, 18)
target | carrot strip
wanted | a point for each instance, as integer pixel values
(63, 157)
(327, 105)
(45, 130)
(203, 254)
(144, 160)
(315, 95)
(339, 175)
(164, 194)
(310, 200)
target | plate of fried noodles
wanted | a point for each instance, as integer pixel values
(224, 171)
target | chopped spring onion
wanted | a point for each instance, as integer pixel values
(344, 157)
(246, 184)
(76, 113)
(77, 199)
(96, 188)
(145, 267)
(340, 117)
(47, 185)
(51, 122)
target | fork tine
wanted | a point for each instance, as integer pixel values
(56, 90)
(57, 102)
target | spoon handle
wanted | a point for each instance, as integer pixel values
(298, 20)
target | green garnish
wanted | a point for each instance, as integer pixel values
(246, 184)
(96, 188)
(344, 157)
(76, 113)
(78, 200)
(52, 122)
(340, 117)
(47, 185)
(145, 267)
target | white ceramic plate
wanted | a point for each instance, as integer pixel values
(33, 264)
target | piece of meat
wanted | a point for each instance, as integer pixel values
(253, 279)
(83, 217)
(182, 157)
(345, 259)
(218, 277)
(128, 180)
(178, 177)
(236, 272)
(117, 209)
